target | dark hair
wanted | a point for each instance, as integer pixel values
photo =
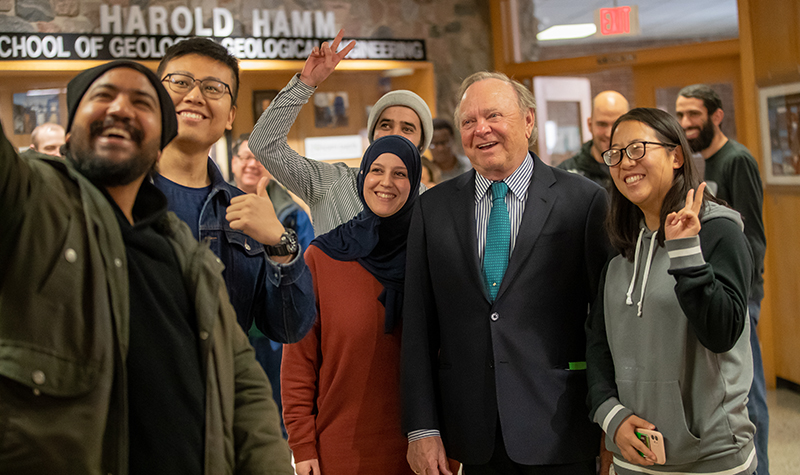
(624, 217)
(81, 83)
(203, 47)
(700, 91)
(443, 124)
(238, 143)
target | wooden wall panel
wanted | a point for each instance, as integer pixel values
(783, 259)
(775, 59)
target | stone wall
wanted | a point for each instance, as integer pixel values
(457, 32)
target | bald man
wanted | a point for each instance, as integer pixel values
(48, 139)
(607, 107)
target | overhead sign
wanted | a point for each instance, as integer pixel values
(618, 21)
(181, 21)
(38, 46)
(145, 34)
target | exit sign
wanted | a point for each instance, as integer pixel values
(617, 21)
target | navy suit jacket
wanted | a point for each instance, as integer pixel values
(467, 362)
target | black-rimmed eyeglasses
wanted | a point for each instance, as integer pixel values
(634, 151)
(210, 88)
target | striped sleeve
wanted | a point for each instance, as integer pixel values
(610, 415)
(309, 179)
(329, 189)
(416, 435)
(684, 253)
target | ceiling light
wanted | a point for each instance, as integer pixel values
(45, 92)
(567, 32)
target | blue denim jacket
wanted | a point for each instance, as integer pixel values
(278, 297)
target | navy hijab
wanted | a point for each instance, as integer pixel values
(379, 244)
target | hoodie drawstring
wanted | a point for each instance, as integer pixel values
(628, 299)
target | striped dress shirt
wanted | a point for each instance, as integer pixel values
(329, 189)
(518, 183)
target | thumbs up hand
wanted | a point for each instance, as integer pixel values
(254, 215)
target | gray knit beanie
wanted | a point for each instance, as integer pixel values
(407, 99)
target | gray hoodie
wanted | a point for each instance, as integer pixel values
(668, 340)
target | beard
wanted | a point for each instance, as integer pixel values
(102, 170)
(704, 139)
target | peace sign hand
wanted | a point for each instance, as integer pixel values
(686, 222)
(323, 60)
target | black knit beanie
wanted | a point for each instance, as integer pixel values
(78, 86)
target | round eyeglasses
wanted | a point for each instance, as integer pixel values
(634, 151)
(210, 88)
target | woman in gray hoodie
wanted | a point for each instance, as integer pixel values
(668, 333)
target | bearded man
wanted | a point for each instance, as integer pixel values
(119, 348)
(732, 175)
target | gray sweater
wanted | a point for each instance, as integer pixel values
(677, 354)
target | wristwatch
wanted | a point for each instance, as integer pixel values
(286, 247)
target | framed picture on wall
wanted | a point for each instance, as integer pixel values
(35, 107)
(262, 100)
(779, 114)
(331, 109)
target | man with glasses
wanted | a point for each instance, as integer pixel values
(442, 152)
(259, 255)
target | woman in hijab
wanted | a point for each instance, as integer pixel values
(668, 336)
(340, 384)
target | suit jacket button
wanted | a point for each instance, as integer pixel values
(495, 316)
(38, 377)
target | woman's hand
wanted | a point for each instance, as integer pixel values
(307, 467)
(630, 445)
(686, 222)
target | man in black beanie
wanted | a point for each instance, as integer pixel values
(119, 350)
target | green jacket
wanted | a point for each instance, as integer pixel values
(64, 335)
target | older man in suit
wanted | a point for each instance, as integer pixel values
(502, 265)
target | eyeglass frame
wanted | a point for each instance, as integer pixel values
(644, 151)
(195, 83)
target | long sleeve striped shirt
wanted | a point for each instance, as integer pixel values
(328, 188)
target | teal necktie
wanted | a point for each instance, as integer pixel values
(498, 240)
